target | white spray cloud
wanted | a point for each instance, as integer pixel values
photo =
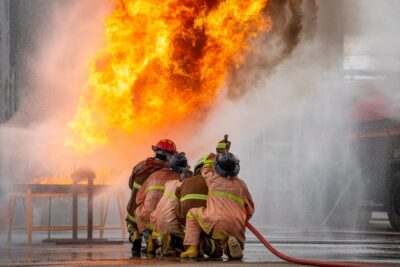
(31, 142)
(288, 132)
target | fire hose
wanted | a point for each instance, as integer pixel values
(300, 260)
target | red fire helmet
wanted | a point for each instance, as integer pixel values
(166, 145)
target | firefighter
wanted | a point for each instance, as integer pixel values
(165, 224)
(224, 145)
(151, 192)
(193, 191)
(164, 149)
(229, 207)
(192, 194)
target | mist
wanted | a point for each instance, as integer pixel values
(287, 110)
(57, 41)
(290, 131)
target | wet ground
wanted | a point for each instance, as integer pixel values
(367, 247)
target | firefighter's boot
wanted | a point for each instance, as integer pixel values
(191, 252)
(213, 248)
(146, 236)
(166, 245)
(235, 250)
(136, 241)
(201, 248)
(151, 245)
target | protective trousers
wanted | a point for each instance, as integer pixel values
(229, 207)
(163, 218)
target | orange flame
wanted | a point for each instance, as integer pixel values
(164, 60)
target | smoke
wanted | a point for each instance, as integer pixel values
(291, 112)
(287, 110)
(57, 40)
(292, 21)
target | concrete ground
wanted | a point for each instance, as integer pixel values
(372, 247)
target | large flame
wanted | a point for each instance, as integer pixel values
(164, 60)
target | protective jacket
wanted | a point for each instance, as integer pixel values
(229, 207)
(140, 173)
(150, 194)
(191, 194)
(163, 218)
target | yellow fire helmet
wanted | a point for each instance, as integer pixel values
(223, 145)
(201, 162)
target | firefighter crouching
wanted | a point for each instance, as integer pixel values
(164, 149)
(150, 194)
(193, 194)
(229, 207)
(164, 220)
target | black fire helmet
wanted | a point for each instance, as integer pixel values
(227, 165)
(178, 162)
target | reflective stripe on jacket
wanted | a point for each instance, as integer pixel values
(139, 174)
(163, 218)
(229, 206)
(192, 194)
(150, 194)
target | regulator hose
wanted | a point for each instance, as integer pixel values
(300, 260)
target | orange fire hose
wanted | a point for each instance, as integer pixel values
(300, 260)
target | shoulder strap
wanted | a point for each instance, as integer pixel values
(150, 165)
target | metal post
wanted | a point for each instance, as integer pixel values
(11, 210)
(90, 209)
(74, 211)
(28, 215)
(49, 219)
(102, 222)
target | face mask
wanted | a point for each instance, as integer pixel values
(161, 157)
